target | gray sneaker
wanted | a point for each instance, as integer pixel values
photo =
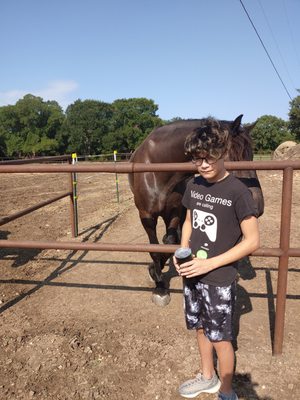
(193, 387)
(232, 396)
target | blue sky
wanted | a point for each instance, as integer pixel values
(194, 58)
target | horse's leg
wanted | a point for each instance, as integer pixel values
(161, 295)
(173, 216)
(172, 236)
(149, 223)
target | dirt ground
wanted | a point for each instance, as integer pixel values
(81, 324)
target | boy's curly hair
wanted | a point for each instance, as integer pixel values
(210, 140)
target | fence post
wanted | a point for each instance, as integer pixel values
(285, 228)
(117, 180)
(73, 198)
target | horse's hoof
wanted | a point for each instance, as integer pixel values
(161, 297)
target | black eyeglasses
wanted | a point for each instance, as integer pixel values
(209, 160)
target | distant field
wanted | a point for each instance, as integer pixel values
(262, 157)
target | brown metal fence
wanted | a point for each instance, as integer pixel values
(70, 193)
(283, 252)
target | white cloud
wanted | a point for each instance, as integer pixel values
(56, 90)
(10, 97)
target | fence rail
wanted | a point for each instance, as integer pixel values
(127, 167)
(70, 193)
(49, 159)
(9, 218)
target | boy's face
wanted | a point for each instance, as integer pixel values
(210, 168)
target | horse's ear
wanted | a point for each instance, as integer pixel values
(236, 125)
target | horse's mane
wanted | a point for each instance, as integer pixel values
(241, 146)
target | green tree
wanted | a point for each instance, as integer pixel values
(14, 144)
(34, 127)
(30, 146)
(174, 119)
(3, 147)
(294, 117)
(86, 123)
(4, 119)
(124, 140)
(269, 132)
(9, 131)
(26, 125)
(48, 146)
(132, 121)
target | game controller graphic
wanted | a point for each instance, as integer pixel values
(206, 222)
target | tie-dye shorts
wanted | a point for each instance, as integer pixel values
(210, 308)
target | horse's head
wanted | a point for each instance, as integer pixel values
(240, 149)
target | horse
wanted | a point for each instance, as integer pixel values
(159, 194)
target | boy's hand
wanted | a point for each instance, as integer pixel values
(195, 267)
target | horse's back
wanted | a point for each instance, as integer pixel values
(164, 144)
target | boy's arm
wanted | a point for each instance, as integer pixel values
(249, 243)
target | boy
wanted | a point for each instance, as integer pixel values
(220, 228)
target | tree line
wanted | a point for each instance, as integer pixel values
(34, 127)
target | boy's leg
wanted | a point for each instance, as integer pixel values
(206, 353)
(219, 303)
(207, 381)
(225, 355)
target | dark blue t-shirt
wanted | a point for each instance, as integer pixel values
(217, 210)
